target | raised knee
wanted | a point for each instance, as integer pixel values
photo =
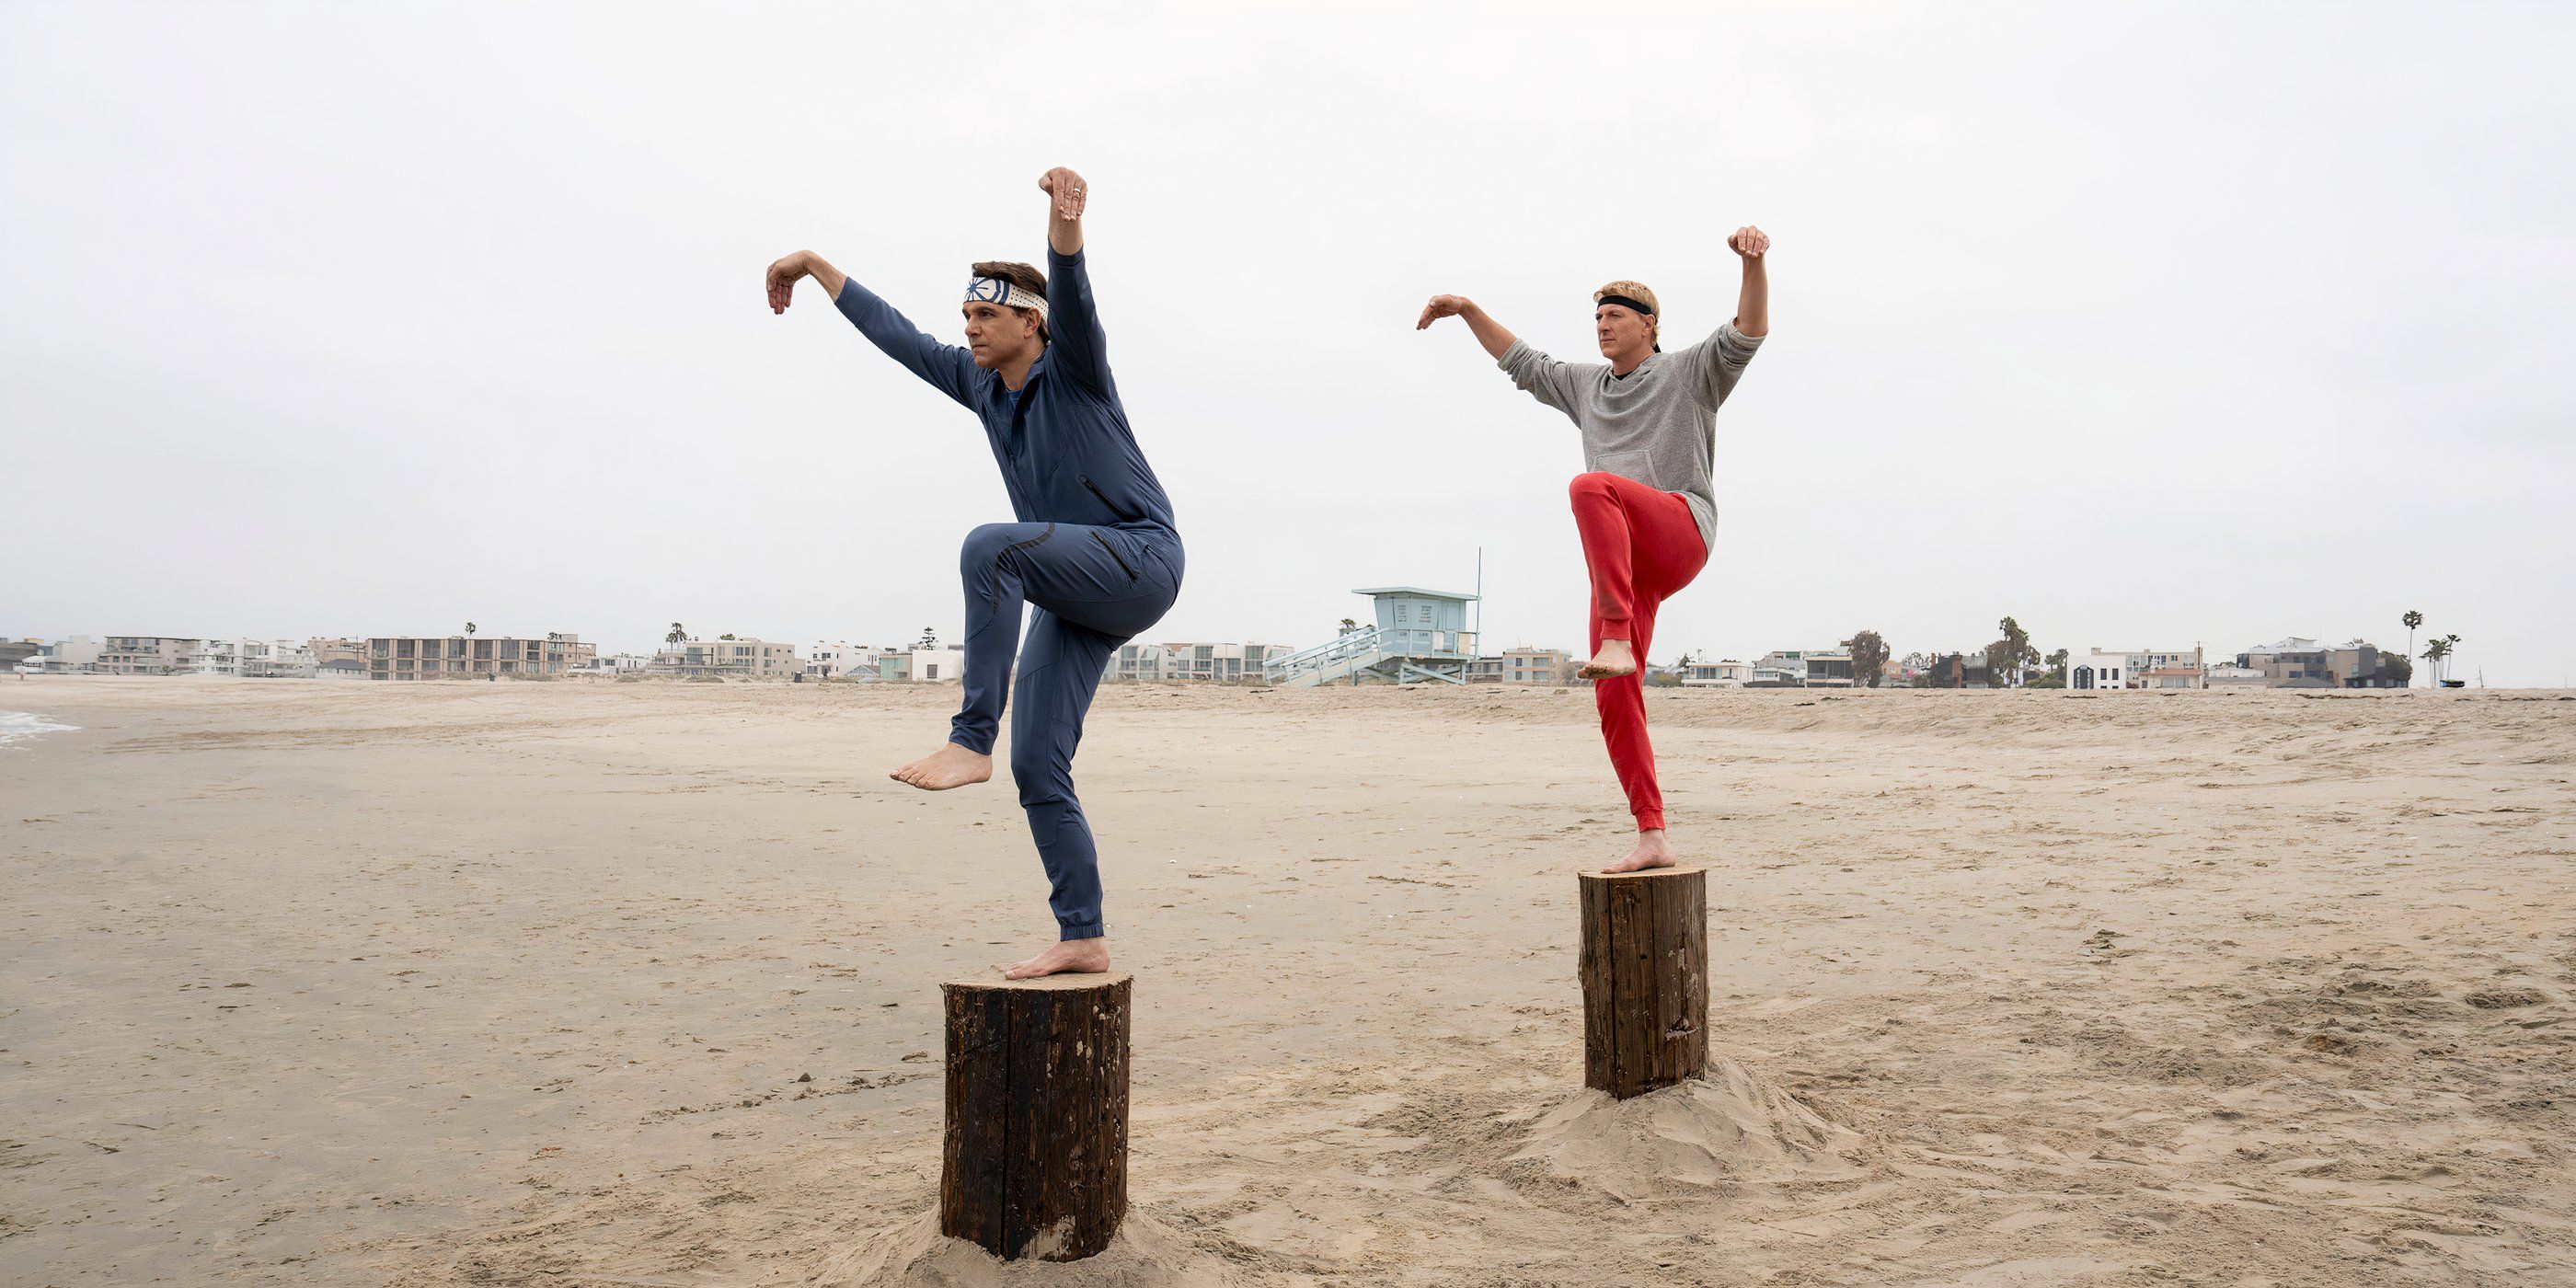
(1595, 485)
(984, 545)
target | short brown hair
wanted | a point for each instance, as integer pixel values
(1024, 276)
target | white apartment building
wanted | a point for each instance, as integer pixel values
(1211, 662)
(2098, 670)
(839, 659)
(1729, 674)
(923, 665)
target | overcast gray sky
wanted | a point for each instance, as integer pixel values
(2146, 324)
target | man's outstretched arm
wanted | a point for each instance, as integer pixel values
(948, 368)
(1489, 333)
(1074, 338)
(1546, 379)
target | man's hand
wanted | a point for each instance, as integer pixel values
(1069, 192)
(1443, 306)
(1489, 332)
(783, 276)
(1749, 241)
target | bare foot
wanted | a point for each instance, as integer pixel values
(1068, 957)
(1614, 660)
(950, 766)
(1652, 852)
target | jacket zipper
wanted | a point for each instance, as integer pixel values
(1113, 553)
(1104, 500)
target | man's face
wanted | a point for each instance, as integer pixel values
(999, 335)
(1621, 330)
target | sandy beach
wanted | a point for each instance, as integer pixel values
(610, 984)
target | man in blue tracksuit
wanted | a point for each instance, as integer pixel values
(1094, 553)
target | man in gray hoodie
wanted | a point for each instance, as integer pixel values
(1646, 503)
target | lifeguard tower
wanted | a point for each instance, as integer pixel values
(1421, 636)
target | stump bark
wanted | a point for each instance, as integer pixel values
(1645, 979)
(1034, 1161)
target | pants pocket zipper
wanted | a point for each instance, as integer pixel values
(1123, 565)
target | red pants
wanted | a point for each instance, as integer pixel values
(1641, 545)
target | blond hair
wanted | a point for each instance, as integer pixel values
(1643, 294)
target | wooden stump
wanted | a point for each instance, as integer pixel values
(1645, 979)
(1035, 1158)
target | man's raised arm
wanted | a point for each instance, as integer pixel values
(1753, 302)
(1074, 339)
(948, 368)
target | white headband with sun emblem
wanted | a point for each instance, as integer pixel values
(993, 290)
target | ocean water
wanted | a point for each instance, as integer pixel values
(19, 725)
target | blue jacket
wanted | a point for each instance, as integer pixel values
(1066, 453)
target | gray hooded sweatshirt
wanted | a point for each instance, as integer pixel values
(1658, 423)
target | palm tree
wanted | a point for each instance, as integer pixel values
(678, 636)
(1348, 626)
(469, 628)
(2438, 652)
(2412, 619)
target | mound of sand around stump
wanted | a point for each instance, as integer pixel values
(1145, 1253)
(1729, 1128)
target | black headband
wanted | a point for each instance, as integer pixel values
(1646, 309)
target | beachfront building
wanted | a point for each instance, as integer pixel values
(2227, 675)
(475, 657)
(1221, 662)
(841, 660)
(1536, 665)
(922, 665)
(1729, 674)
(74, 655)
(341, 668)
(733, 658)
(327, 650)
(1828, 668)
(15, 654)
(2356, 664)
(2098, 670)
(212, 657)
(1960, 671)
(276, 659)
(1211, 662)
(1141, 663)
(614, 664)
(256, 659)
(1522, 666)
(2298, 662)
(144, 655)
(1420, 636)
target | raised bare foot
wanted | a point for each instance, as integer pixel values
(950, 766)
(1652, 852)
(1068, 957)
(1614, 659)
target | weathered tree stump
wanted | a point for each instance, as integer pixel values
(1035, 1158)
(1645, 979)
